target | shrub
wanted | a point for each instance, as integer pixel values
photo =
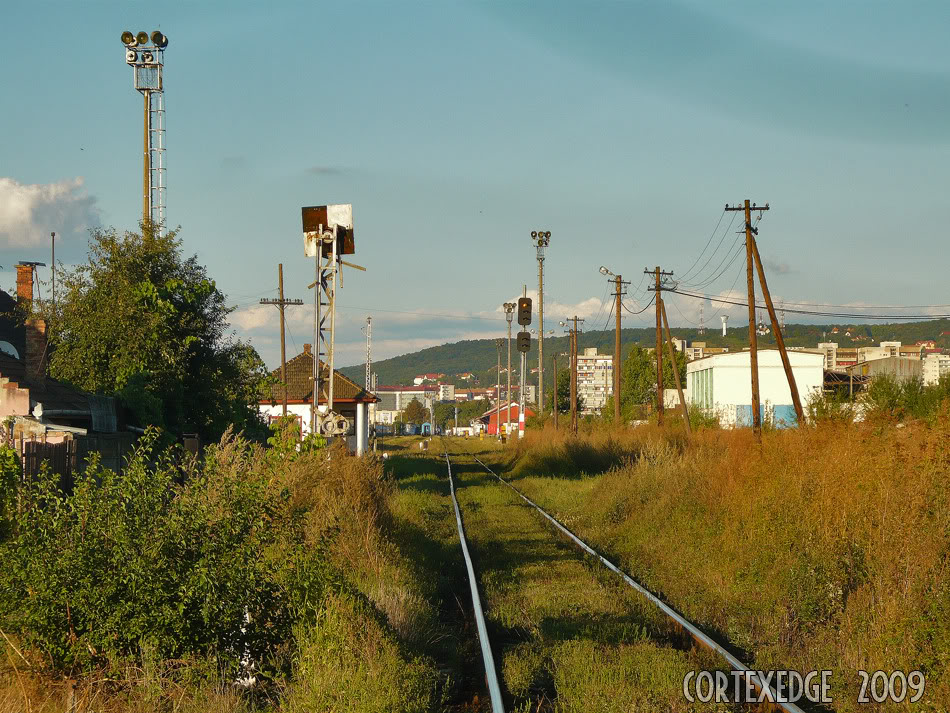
(136, 562)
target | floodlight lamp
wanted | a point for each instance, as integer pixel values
(148, 57)
(131, 56)
(534, 233)
(158, 39)
(142, 38)
(547, 234)
(128, 38)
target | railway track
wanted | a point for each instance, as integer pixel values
(678, 620)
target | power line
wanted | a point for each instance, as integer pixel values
(842, 315)
(696, 275)
(711, 236)
(642, 310)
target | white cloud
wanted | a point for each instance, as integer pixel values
(30, 212)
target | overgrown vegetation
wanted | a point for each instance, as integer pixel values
(141, 322)
(821, 548)
(167, 584)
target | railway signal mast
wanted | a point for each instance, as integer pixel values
(146, 55)
(327, 236)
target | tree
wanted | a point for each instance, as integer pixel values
(638, 380)
(562, 381)
(415, 413)
(140, 322)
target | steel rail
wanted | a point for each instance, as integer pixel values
(491, 673)
(693, 630)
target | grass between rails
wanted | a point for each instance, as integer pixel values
(823, 548)
(567, 635)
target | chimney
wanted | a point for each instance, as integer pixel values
(35, 357)
(306, 348)
(24, 284)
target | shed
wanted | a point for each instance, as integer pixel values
(349, 399)
(721, 384)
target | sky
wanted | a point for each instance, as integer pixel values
(456, 128)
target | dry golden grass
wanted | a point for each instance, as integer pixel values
(820, 548)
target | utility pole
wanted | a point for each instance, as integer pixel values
(281, 304)
(509, 314)
(658, 353)
(779, 337)
(619, 291)
(554, 399)
(369, 352)
(575, 319)
(498, 344)
(750, 283)
(542, 239)
(53, 263)
(676, 370)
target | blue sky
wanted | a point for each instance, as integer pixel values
(455, 128)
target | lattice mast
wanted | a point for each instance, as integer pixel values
(147, 60)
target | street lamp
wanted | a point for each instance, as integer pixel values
(542, 239)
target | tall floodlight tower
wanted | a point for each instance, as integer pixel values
(147, 61)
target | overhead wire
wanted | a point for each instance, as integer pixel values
(705, 247)
(819, 313)
(697, 275)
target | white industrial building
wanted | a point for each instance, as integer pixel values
(722, 385)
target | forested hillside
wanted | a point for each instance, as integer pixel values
(479, 356)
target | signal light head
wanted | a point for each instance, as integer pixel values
(142, 38)
(128, 38)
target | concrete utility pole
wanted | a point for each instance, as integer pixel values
(554, 399)
(509, 314)
(750, 284)
(369, 353)
(542, 239)
(281, 303)
(498, 344)
(658, 353)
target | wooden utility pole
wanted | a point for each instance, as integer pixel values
(574, 340)
(750, 283)
(281, 303)
(779, 338)
(658, 352)
(676, 370)
(619, 286)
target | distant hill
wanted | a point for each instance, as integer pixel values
(479, 355)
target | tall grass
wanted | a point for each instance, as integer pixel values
(160, 588)
(819, 548)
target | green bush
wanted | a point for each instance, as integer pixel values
(213, 569)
